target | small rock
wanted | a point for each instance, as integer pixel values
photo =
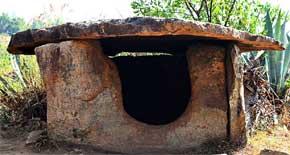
(272, 152)
(34, 136)
(75, 150)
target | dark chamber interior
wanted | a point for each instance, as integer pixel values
(156, 89)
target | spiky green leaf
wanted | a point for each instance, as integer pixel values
(268, 25)
(278, 27)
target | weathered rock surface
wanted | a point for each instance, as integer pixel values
(25, 42)
(85, 103)
(235, 88)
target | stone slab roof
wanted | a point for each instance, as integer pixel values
(25, 42)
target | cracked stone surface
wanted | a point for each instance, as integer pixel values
(25, 42)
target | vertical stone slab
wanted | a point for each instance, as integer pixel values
(74, 74)
(235, 88)
(208, 93)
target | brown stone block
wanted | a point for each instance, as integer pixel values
(85, 104)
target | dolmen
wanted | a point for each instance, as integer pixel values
(143, 84)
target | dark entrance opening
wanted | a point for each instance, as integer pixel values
(156, 87)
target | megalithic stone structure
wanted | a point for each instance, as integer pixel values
(184, 92)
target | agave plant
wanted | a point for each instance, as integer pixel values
(277, 62)
(14, 60)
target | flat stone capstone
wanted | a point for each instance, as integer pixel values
(25, 42)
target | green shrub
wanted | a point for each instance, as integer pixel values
(16, 76)
(277, 62)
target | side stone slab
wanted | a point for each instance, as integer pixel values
(85, 101)
(82, 85)
(235, 87)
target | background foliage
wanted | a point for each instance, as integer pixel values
(245, 15)
(20, 72)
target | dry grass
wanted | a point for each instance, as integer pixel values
(25, 111)
(275, 139)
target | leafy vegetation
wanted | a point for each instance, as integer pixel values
(20, 82)
(20, 72)
(21, 93)
(10, 25)
(245, 15)
(17, 73)
(277, 62)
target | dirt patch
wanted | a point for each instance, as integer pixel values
(275, 140)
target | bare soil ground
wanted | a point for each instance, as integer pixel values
(17, 145)
(275, 141)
